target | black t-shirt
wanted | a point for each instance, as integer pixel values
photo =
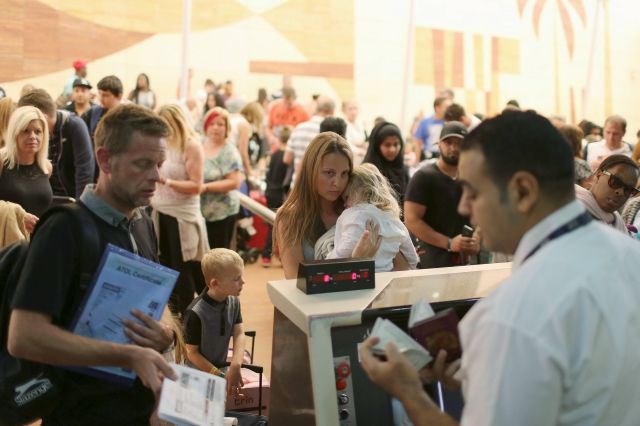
(441, 195)
(28, 186)
(50, 285)
(278, 180)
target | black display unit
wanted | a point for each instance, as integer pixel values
(332, 275)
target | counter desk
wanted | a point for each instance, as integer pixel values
(316, 378)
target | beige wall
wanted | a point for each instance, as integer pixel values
(487, 51)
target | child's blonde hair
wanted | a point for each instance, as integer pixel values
(285, 134)
(216, 261)
(368, 185)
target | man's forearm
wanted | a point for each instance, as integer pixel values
(39, 341)
(427, 234)
(423, 412)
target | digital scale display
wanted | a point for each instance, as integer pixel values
(340, 276)
(324, 276)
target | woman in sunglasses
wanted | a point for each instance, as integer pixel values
(614, 182)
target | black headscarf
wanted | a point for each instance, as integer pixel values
(395, 171)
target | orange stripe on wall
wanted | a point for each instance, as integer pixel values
(458, 60)
(438, 59)
(312, 69)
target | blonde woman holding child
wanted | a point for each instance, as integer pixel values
(369, 197)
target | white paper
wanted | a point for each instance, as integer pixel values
(386, 332)
(420, 311)
(196, 398)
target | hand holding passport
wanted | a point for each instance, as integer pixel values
(429, 333)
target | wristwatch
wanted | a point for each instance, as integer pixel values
(449, 245)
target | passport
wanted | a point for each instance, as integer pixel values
(428, 333)
(437, 332)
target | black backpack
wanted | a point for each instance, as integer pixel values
(30, 390)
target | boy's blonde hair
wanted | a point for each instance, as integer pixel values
(285, 134)
(216, 262)
(367, 185)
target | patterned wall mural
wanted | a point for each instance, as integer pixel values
(552, 55)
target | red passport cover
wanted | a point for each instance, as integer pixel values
(439, 332)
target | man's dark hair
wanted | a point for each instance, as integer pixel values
(112, 84)
(513, 103)
(524, 141)
(334, 124)
(454, 112)
(439, 100)
(616, 159)
(118, 125)
(587, 126)
(40, 99)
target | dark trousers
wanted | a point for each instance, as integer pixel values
(190, 280)
(274, 201)
(220, 232)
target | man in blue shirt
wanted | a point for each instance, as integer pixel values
(428, 131)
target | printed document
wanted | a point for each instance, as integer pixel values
(123, 282)
(196, 398)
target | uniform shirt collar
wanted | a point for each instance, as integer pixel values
(104, 210)
(542, 229)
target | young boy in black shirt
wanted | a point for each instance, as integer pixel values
(214, 317)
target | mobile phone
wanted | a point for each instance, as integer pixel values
(467, 231)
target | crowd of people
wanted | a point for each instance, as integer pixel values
(160, 179)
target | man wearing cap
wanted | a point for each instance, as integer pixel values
(431, 206)
(80, 68)
(80, 98)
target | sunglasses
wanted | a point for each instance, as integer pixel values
(616, 183)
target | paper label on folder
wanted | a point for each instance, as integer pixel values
(195, 398)
(123, 282)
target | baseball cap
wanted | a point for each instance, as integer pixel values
(453, 129)
(79, 63)
(82, 82)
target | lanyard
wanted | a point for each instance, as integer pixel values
(570, 226)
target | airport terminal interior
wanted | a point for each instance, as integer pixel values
(311, 174)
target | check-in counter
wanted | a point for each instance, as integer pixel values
(316, 378)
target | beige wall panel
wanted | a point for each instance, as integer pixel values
(361, 46)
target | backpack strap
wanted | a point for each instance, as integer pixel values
(96, 115)
(85, 227)
(12, 259)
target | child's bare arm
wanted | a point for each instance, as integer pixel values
(197, 359)
(234, 377)
(238, 344)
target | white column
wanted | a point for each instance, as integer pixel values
(408, 63)
(184, 67)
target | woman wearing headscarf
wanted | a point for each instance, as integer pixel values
(386, 152)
